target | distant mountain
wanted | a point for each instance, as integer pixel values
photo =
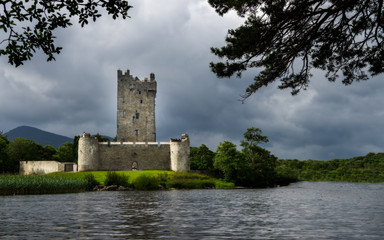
(38, 136)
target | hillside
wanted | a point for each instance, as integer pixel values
(37, 135)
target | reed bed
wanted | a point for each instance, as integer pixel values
(40, 184)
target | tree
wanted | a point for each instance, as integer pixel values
(4, 160)
(202, 158)
(47, 152)
(228, 160)
(250, 146)
(66, 153)
(29, 25)
(286, 39)
(101, 138)
(261, 163)
(21, 149)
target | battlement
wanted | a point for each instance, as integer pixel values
(184, 138)
(159, 144)
(128, 77)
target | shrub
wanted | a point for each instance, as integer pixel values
(91, 181)
(191, 184)
(144, 182)
(114, 178)
(162, 177)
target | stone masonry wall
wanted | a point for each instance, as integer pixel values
(140, 156)
(135, 108)
(44, 167)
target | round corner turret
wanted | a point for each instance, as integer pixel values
(88, 153)
(180, 154)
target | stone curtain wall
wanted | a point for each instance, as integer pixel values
(126, 156)
(121, 156)
(44, 167)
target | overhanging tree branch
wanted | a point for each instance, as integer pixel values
(338, 36)
(29, 25)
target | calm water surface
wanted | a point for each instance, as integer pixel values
(303, 210)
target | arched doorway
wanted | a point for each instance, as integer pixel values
(134, 166)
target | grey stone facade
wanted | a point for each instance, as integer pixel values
(44, 167)
(136, 108)
(135, 148)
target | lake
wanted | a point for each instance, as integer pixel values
(304, 210)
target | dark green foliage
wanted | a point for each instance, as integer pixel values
(254, 166)
(21, 149)
(91, 181)
(114, 178)
(5, 164)
(144, 182)
(202, 158)
(47, 152)
(369, 168)
(101, 138)
(191, 184)
(228, 160)
(66, 153)
(30, 26)
(286, 39)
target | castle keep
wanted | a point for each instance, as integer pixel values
(136, 108)
(136, 147)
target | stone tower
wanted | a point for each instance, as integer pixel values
(136, 108)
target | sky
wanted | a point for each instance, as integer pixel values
(172, 38)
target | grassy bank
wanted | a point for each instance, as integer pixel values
(167, 179)
(83, 181)
(40, 184)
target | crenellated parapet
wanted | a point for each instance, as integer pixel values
(148, 84)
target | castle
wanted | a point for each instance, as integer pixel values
(136, 147)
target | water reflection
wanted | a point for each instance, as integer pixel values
(301, 211)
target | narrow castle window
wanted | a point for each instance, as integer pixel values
(137, 132)
(141, 101)
(133, 118)
(139, 92)
(137, 115)
(123, 114)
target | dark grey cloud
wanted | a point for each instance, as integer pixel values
(77, 92)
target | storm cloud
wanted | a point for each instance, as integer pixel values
(172, 39)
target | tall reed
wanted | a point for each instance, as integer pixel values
(40, 184)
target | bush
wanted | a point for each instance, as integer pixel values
(191, 184)
(114, 178)
(144, 182)
(91, 181)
